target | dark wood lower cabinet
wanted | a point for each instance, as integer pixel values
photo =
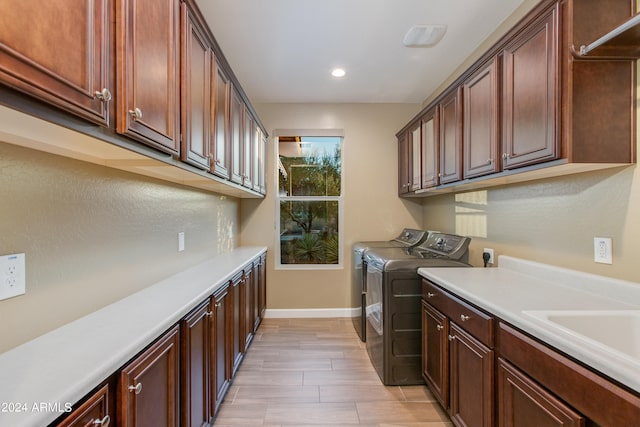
(523, 403)
(95, 411)
(222, 345)
(148, 386)
(238, 296)
(435, 363)
(196, 366)
(471, 387)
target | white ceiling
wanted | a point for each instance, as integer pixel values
(284, 50)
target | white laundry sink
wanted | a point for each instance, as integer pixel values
(613, 331)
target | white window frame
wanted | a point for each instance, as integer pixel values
(338, 133)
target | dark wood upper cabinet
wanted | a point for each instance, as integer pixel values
(530, 95)
(430, 145)
(404, 165)
(481, 132)
(220, 112)
(147, 67)
(236, 132)
(451, 137)
(59, 54)
(148, 387)
(196, 92)
(248, 149)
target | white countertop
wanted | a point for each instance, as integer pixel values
(63, 365)
(519, 286)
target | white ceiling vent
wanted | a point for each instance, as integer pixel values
(424, 35)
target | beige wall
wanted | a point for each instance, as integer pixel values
(552, 221)
(93, 235)
(372, 209)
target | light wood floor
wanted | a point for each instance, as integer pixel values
(301, 372)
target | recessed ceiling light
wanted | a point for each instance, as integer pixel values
(338, 72)
(424, 35)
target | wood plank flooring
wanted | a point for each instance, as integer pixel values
(316, 372)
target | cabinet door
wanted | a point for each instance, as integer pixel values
(451, 138)
(221, 351)
(147, 71)
(429, 162)
(248, 306)
(262, 164)
(255, 295)
(257, 155)
(93, 412)
(530, 95)
(148, 385)
(247, 149)
(435, 356)
(238, 295)
(472, 385)
(415, 155)
(220, 113)
(59, 53)
(237, 136)
(262, 286)
(404, 165)
(195, 359)
(480, 143)
(196, 91)
(522, 402)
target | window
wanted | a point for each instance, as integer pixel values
(309, 201)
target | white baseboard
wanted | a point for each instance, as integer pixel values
(294, 313)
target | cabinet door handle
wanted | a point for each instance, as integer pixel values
(210, 313)
(137, 389)
(464, 318)
(103, 422)
(135, 114)
(103, 95)
(218, 304)
(490, 161)
(430, 295)
(505, 156)
(451, 337)
(439, 327)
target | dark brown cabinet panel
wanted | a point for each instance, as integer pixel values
(236, 132)
(404, 164)
(530, 94)
(196, 91)
(147, 67)
(196, 364)
(523, 403)
(415, 156)
(435, 363)
(221, 342)
(480, 143)
(262, 286)
(249, 319)
(220, 113)
(95, 411)
(430, 144)
(238, 296)
(471, 381)
(247, 149)
(58, 53)
(148, 385)
(451, 138)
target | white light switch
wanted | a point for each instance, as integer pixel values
(602, 252)
(181, 241)
(12, 275)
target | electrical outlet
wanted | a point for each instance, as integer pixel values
(602, 252)
(490, 252)
(12, 275)
(181, 241)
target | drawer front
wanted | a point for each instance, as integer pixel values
(93, 412)
(472, 320)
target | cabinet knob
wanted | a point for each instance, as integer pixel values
(430, 295)
(490, 161)
(103, 95)
(505, 156)
(218, 161)
(103, 422)
(209, 313)
(451, 337)
(439, 327)
(218, 304)
(137, 389)
(136, 114)
(464, 318)
(439, 175)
